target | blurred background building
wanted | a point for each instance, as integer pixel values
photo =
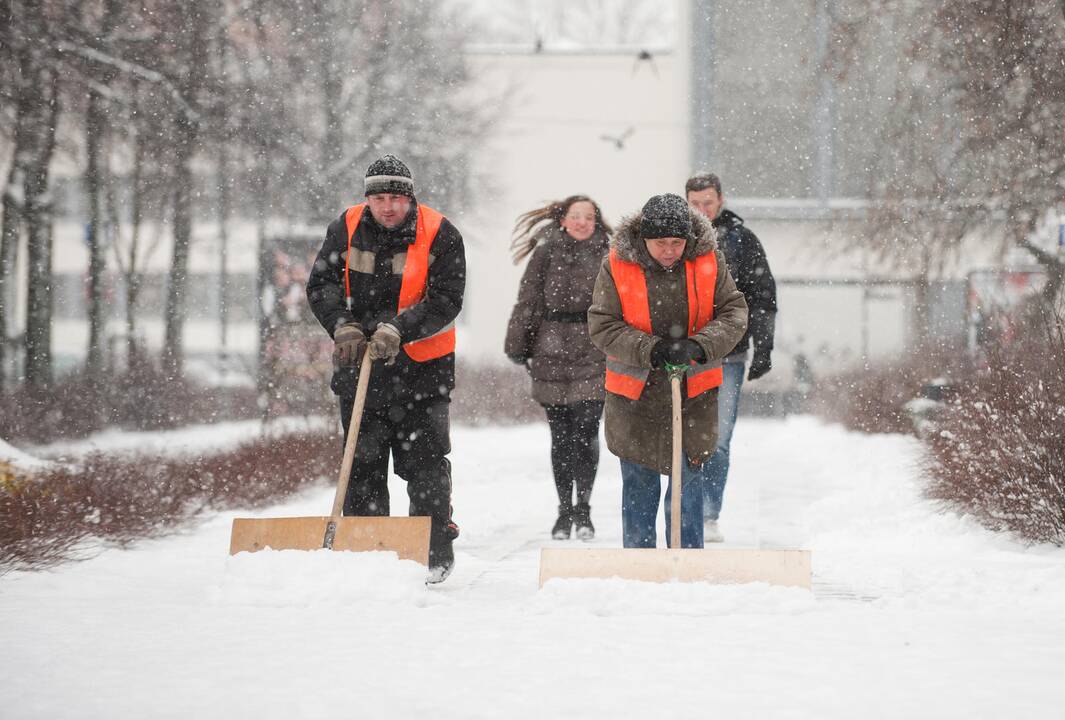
(618, 100)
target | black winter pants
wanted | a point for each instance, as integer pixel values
(574, 449)
(417, 437)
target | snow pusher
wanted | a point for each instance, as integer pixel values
(408, 537)
(724, 565)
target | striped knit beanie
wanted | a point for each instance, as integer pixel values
(389, 175)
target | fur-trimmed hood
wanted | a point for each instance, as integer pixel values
(630, 246)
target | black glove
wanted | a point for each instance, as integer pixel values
(676, 352)
(760, 364)
(517, 360)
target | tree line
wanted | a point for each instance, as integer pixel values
(973, 140)
(276, 106)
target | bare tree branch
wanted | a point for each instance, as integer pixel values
(133, 70)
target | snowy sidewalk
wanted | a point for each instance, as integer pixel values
(913, 613)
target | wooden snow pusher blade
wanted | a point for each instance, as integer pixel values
(408, 537)
(724, 565)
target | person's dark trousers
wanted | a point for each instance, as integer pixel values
(641, 488)
(574, 449)
(418, 438)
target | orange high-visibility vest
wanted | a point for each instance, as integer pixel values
(415, 275)
(701, 274)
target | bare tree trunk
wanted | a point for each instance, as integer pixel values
(10, 218)
(94, 125)
(921, 299)
(262, 202)
(128, 259)
(224, 209)
(194, 80)
(95, 129)
(324, 191)
(40, 84)
(132, 273)
(128, 268)
(1043, 317)
(173, 354)
(224, 206)
(9, 241)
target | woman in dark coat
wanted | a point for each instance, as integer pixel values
(548, 333)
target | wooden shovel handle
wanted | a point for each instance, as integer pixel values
(678, 458)
(353, 434)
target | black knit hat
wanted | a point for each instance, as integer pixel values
(665, 216)
(389, 175)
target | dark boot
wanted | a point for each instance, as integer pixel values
(564, 525)
(441, 551)
(441, 563)
(582, 519)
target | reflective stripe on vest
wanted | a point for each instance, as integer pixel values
(701, 277)
(415, 277)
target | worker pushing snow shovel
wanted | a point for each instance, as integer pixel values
(407, 537)
(665, 311)
(389, 281)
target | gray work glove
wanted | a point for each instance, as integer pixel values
(384, 345)
(349, 343)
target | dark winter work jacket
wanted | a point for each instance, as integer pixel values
(749, 267)
(376, 268)
(549, 324)
(640, 431)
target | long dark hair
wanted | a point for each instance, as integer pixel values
(527, 228)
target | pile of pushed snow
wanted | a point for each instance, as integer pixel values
(286, 578)
(15, 462)
(629, 597)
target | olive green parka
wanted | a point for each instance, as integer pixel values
(640, 431)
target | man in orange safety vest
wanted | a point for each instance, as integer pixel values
(392, 273)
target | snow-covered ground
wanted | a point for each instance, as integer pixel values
(913, 614)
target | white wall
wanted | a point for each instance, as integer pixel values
(549, 146)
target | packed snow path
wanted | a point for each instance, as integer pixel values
(913, 614)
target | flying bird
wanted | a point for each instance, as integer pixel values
(619, 141)
(647, 57)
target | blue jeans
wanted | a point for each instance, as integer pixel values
(640, 489)
(715, 471)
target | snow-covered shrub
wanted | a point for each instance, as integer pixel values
(999, 450)
(140, 399)
(874, 398)
(46, 518)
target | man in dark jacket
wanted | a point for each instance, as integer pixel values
(392, 273)
(749, 268)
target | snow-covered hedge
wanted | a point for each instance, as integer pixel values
(78, 405)
(998, 450)
(874, 398)
(995, 442)
(63, 513)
